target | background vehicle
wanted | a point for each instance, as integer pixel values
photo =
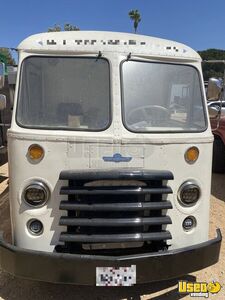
(6, 114)
(218, 165)
(218, 128)
(108, 147)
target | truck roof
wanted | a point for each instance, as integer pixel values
(95, 41)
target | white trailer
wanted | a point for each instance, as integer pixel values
(110, 165)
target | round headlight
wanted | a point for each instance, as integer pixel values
(189, 193)
(36, 194)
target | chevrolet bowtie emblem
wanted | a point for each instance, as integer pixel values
(117, 158)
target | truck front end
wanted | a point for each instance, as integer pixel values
(110, 154)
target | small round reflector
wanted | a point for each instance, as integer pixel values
(191, 155)
(35, 227)
(35, 152)
(189, 223)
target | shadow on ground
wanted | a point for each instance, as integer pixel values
(3, 157)
(218, 186)
(14, 288)
(2, 178)
(5, 224)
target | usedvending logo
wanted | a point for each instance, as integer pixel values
(199, 289)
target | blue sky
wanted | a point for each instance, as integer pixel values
(197, 23)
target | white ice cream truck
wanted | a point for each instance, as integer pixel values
(110, 152)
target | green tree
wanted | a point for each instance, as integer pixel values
(55, 28)
(212, 69)
(135, 16)
(6, 56)
(67, 27)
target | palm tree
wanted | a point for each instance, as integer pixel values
(135, 16)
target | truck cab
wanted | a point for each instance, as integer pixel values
(110, 155)
(7, 89)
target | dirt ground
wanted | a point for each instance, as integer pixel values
(15, 288)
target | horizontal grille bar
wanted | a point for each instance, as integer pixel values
(116, 222)
(115, 238)
(116, 174)
(114, 190)
(138, 206)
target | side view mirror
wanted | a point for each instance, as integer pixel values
(214, 90)
(2, 75)
(2, 102)
(214, 110)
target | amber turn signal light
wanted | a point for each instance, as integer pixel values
(191, 155)
(35, 152)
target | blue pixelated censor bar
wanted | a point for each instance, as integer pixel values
(111, 276)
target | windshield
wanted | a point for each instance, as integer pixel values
(64, 93)
(161, 97)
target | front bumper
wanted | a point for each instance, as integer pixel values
(81, 269)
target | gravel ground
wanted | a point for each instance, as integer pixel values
(14, 288)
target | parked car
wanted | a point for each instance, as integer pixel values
(217, 123)
(218, 129)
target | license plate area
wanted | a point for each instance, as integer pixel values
(106, 246)
(112, 276)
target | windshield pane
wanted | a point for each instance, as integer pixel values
(64, 93)
(162, 97)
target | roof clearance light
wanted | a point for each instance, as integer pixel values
(35, 152)
(191, 155)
